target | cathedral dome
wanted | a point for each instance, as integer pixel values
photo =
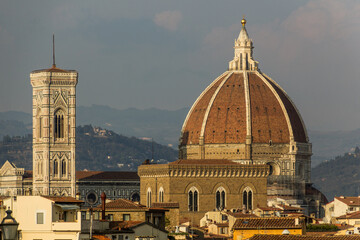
(243, 106)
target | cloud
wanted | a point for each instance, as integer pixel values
(317, 22)
(168, 19)
(321, 19)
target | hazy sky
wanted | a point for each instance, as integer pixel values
(164, 53)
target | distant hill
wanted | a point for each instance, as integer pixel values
(339, 176)
(328, 145)
(164, 127)
(97, 149)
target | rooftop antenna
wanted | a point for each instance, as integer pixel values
(54, 65)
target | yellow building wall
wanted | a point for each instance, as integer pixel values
(248, 233)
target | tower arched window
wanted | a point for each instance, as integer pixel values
(247, 198)
(148, 197)
(63, 167)
(161, 195)
(193, 199)
(220, 198)
(59, 124)
(56, 167)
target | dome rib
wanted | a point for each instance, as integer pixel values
(293, 113)
(206, 116)
(187, 131)
(247, 105)
(269, 85)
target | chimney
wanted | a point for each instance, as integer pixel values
(103, 201)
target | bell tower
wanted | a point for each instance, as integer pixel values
(54, 115)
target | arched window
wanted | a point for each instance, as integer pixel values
(148, 197)
(220, 198)
(63, 167)
(135, 197)
(193, 199)
(59, 124)
(161, 195)
(56, 167)
(247, 199)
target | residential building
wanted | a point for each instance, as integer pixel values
(341, 206)
(352, 219)
(126, 210)
(221, 222)
(46, 218)
(172, 216)
(245, 228)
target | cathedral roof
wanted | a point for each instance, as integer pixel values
(243, 103)
(106, 175)
(54, 69)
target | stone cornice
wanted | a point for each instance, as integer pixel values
(203, 170)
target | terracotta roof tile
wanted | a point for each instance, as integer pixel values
(166, 205)
(122, 204)
(53, 69)
(242, 215)
(303, 237)
(295, 120)
(191, 131)
(61, 199)
(106, 175)
(350, 201)
(101, 237)
(354, 215)
(127, 224)
(268, 118)
(226, 122)
(276, 222)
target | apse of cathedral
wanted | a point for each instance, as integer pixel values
(243, 144)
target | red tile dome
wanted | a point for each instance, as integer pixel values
(219, 114)
(241, 106)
